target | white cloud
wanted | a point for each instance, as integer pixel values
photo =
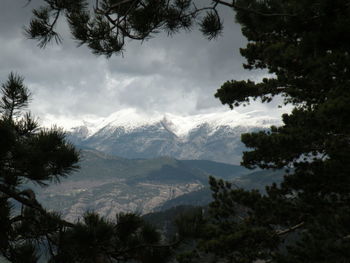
(178, 74)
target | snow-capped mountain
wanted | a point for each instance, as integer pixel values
(133, 134)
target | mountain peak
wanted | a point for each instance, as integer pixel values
(131, 119)
(133, 134)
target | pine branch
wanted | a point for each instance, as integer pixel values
(288, 230)
(241, 8)
(32, 203)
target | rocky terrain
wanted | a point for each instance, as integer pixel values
(109, 184)
(109, 197)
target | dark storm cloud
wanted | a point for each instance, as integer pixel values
(173, 74)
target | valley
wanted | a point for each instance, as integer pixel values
(108, 184)
(134, 162)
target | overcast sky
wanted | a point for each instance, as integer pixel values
(178, 74)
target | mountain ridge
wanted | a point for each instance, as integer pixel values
(131, 134)
(179, 125)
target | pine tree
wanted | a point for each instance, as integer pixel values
(28, 232)
(304, 45)
(27, 153)
(106, 26)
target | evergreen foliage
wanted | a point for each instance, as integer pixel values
(306, 48)
(304, 45)
(29, 233)
(106, 26)
(27, 153)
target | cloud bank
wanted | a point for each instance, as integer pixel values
(178, 74)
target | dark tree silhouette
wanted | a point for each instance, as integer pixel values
(28, 232)
(305, 46)
(106, 25)
(27, 153)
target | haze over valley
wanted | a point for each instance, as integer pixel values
(134, 162)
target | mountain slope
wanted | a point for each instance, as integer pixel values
(132, 134)
(252, 180)
(109, 184)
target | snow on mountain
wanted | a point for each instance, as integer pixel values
(131, 119)
(133, 134)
